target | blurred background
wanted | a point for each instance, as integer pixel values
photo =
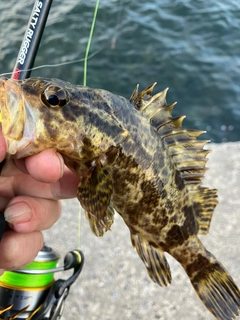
(192, 47)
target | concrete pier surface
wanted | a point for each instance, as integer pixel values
(114, 284)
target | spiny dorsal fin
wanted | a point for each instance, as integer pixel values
(138, 99)
(154, 261)
(185, 152)
(146, 103)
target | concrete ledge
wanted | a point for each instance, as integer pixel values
(114, 284)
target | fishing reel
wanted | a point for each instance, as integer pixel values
(32, 293)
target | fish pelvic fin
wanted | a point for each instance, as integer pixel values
(214, 286)
(154, 260)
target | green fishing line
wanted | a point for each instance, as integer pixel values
(79, 225)
(85, 83)
(89, 43)
(15, 279)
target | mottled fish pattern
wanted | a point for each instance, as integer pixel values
(131, 156)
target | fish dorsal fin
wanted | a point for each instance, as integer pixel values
(184, 150)
(146, 103)
(182, 146)
(154, 261)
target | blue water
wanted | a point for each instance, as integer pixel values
(192, 47)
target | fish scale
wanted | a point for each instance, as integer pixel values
(133, 157)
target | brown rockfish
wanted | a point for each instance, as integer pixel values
(131, 156)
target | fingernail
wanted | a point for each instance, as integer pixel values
(17, 213)
(61, 162)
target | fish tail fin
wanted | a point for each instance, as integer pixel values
(214, 286)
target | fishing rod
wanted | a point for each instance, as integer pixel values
(31, 40)
(32, 292)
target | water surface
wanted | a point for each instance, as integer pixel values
(192, 47)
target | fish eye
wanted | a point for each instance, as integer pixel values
(53, 100)
(55, 97)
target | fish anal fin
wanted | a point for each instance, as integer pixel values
(154, 261)
(94, 194)
(204, 203)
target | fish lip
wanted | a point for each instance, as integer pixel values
(10, 97)
(2, 92)
(2, 95)
(16, 128)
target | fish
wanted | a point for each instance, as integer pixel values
(133, 158)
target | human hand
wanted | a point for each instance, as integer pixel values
(30, 190)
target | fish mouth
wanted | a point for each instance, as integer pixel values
(17, 128)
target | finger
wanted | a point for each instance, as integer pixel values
(68, 185)
(19, 249)
(65, 188)
(27, 214)
(46, 166)
(24, 184)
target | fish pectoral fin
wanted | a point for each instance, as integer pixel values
(94, 194)
(205, 201)
(155, 262)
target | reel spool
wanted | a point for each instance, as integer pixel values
(32, 292)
